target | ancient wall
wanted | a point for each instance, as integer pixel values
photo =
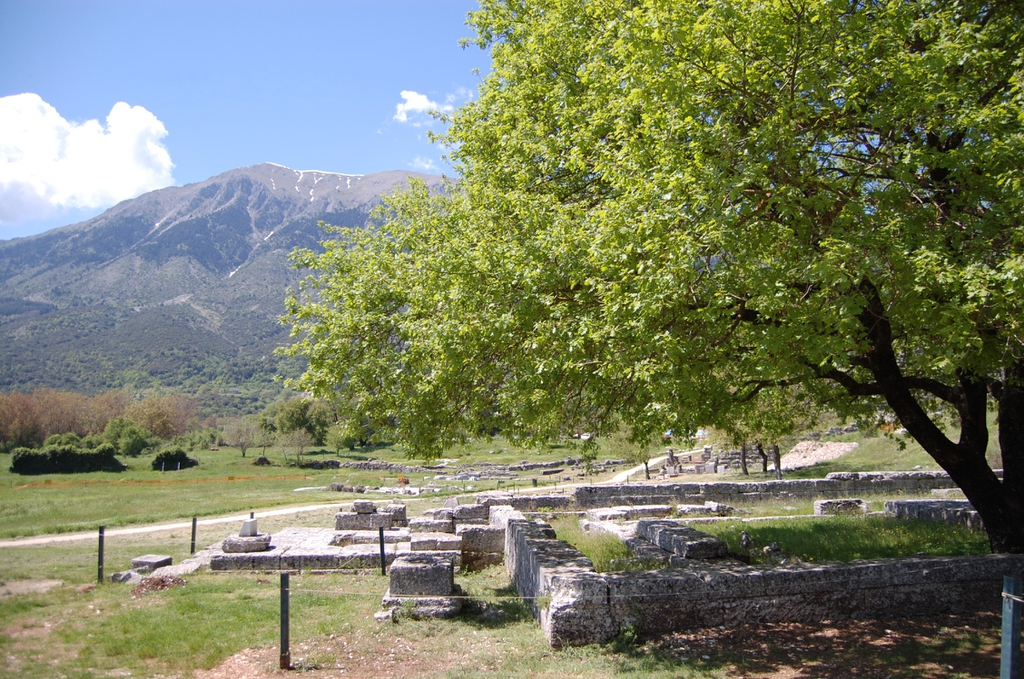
(577, 606)
(838, 484)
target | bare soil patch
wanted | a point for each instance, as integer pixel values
(28, 587)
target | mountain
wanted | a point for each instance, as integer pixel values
(180, 288)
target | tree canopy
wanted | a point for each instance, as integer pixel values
(667, 212)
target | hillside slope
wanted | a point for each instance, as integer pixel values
(180, 287)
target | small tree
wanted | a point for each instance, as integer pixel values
(242, 433)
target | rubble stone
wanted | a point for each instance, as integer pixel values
(841, 507)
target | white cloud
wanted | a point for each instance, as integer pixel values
(416, 108)
(48, 163)
(423, 164)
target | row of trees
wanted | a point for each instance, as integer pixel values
(29, 420)
(54, 417)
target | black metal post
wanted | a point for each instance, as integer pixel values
(99, 570)
(192, 548)
(286, 654)
(383, 561)
(1009, 665)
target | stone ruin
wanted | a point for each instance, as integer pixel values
(691, 580)
(249, 539)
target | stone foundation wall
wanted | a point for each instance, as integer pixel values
(577, 606)
(837, 484)
(958, 512)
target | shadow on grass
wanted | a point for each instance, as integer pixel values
(500, 607)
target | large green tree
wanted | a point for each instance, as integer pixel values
(666, 211)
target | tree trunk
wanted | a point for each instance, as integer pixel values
(647, 472)
(1000, 504)
(777, 459)
(764, 457)
(743, 458)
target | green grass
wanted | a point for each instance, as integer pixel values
(849, 538)
(83, 632)
(600, 548)
(223, 483)
(812, 540)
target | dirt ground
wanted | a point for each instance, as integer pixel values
(946, 646)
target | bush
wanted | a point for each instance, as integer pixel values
(173, 460)
(63, 459)
(127, 436)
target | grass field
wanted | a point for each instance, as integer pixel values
(226, 625)
(226, 483)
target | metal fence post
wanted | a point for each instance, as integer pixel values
(383, 559)
(286, 655)
(1009, 664)
(99, 569)
(192, 549)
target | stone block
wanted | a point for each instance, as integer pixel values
(840, 507)
(482, 538)
(451, 503)
(355, 521)
(464, 513)
(248, 529)
(364, 507)
(682, 540)
(432, 542)
(398, 514)
(418, 525)
(500, 515)
(236, 544)
(421, 575)
(150, 562)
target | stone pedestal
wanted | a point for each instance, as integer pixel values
(423, 585)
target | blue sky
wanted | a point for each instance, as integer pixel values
(210, 86)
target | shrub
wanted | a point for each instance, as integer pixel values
(63, 459)
(173, 460)
(127, 436)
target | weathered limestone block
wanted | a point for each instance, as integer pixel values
(356, 521)
(959, 512)
(421, 575)
(482, 538)
(628, 512)
(500, 515)
(680, 539)
(236, 544)
(150, 562)
(397, 512)
(367, 537)
(840, 507)
(431, 542)
(440, 514)
(526, 503)
(364, 507)
(418, 525)
(248, 529)
(465, 513)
